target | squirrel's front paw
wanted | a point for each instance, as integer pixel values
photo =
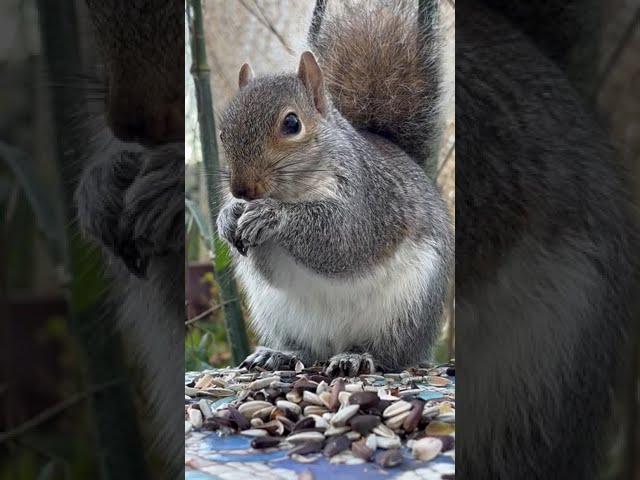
(350, 364)
(151, 223)
(260, 222)
(100, 197)
(270, 359)
(227, 222)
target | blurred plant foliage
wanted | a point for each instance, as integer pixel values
(206, 343)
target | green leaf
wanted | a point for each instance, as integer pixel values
(201, 221)
(23, 169)
(5, 188)
(48, 471)
(192, 239)
(222, 259)
(204, 341)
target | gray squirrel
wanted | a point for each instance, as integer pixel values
(546, 245)
(340, 239)
(130, 201)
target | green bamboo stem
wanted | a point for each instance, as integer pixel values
(99, 350)
(234, 321)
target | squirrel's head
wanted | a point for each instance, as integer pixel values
(271, 133)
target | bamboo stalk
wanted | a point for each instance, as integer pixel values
(234, 321)
(111, 411)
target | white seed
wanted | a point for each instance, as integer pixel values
(325, 399)
(217, 392)
(262, 383)
(322, 387)
(306, 475)
(426, 448)
(344, 414)
(353, 436)
(430, 412)
(438, 381)
(396, 409)
(205, 408)
(389, 398)
(256, 422)
(299, 366)
(372, 442)
(314, 410)
(343, 398)
(333, 431)
(204, 381)
(353, 387)
(349, 459)
(396, 422)
(195, 417)
(383, 431)
(274, 426)
(254, 432)
(311, 397)
(263, 413)
(190, 391)
(249, 408)
(387, 443)
(321, 423)
(294, 396)
(305, 437)
(408, 393)
(447, 417)
(187, 427)
(237, 387)
(292, 407)
(219, 382)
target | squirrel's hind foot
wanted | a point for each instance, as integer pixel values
(350, 364)
(271, 359)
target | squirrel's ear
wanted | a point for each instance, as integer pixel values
(245, 75)
(310, 75)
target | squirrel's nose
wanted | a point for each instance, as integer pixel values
(247, 191)
(155, 125)
(241, 192)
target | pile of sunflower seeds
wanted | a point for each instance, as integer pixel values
(367, 417)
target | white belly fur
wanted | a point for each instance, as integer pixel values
(328, 316)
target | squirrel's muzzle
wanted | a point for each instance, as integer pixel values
(247, 190)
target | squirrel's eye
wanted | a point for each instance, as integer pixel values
(291, 124)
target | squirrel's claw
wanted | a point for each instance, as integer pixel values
(350, 365)
(242, 250)
(136, 263)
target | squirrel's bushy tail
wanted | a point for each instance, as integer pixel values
(567, 31)
(382, 67)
